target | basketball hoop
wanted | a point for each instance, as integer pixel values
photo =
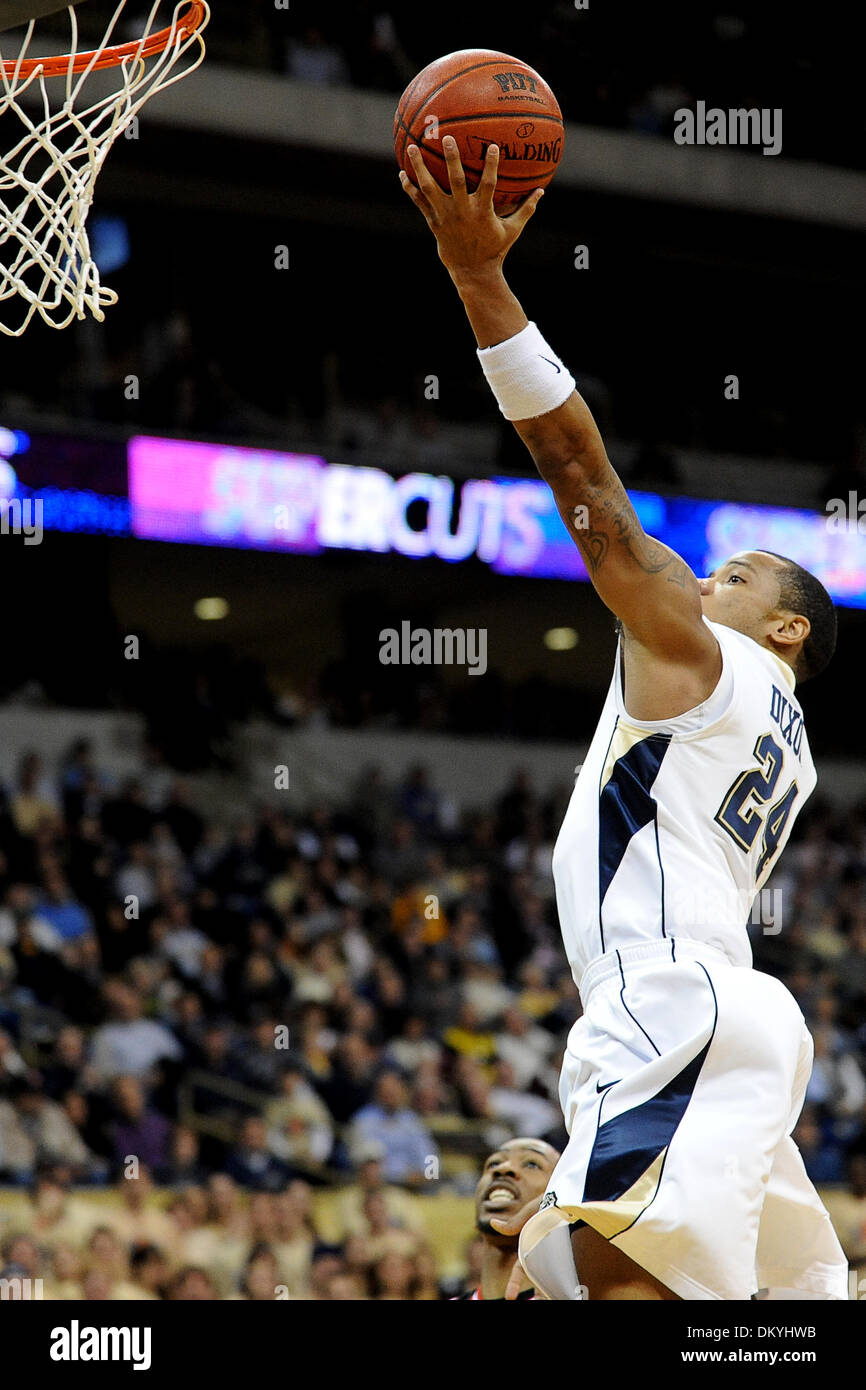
(47, 176)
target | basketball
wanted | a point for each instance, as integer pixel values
(483, 98)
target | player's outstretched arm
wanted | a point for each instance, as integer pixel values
(645, 583)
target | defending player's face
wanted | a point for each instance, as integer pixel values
(743, 593)
(511, 1177)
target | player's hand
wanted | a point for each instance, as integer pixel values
(470, 235)
(512, 1226)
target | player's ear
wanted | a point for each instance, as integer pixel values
(790, 629)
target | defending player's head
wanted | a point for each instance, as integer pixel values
(513, 1181)
(516, 1174)
(776, 602)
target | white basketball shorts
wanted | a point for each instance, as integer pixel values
(680, 1087)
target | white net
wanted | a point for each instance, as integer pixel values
(57, 125)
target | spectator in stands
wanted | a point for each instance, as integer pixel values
(192, 1285)
(90, 1116)
(251, 1163)
(126, 818)
(402, 858)
(12, 1064)
(300, 1132)
(373, 804)
(58, 907)
(328, 1264)
(408, 1146)
(402, 1206)
(435, 996)
(847, 1208)
(385, 1234)
(56, 1218)
(522, 1110)
(261, 1056)
(122, 937)
(311, 58)
(260, 1278)
(413, 1046)
(821, 1152)
(434, 1100)
(418, 800)
(344, 1287)
(22, 925)
(136, 1220)
(69, 1065)
(514, 807)
(45, 1132)
(293, 1237)
(388, 997)
(135, 880)
(17, 1155)
(185, 822)
(149, 1272)
(140, 1132)
(394, 1278)
(319, 973)
(64, 1278)
(837, 1083)
(213, 1230)
(97, 1287)
(81, 782)
(108, 1258)
(471, 1280)
(484, 987)
(538, 997)
(184, 1167)
(348, 1085)
(33, 800)
(214, 1090)
(131, 1045)
(468, 1038)
(21, 1259)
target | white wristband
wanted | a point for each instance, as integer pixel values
(525, 375)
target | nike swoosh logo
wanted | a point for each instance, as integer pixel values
(553, 364)
(599, 1087)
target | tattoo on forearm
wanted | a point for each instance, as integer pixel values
(679, 574)
(613, 517)
(594, 546)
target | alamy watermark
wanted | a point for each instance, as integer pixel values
(438, 646)
(847, 515)
(736, 126)
(701, 906)
(20, 1290)
(22, 518)
(77, 1343)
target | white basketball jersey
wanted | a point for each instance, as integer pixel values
(675, 824)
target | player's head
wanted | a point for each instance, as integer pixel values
(778, 603)
(512, 1176)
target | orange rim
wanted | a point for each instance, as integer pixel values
(58, 66)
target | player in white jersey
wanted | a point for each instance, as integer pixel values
(685, 1075)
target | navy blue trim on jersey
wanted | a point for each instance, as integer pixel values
(628, 1144)
(661, 866)
(600, 775)
(650, 1202)
(628, 1010)
(625, 806)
